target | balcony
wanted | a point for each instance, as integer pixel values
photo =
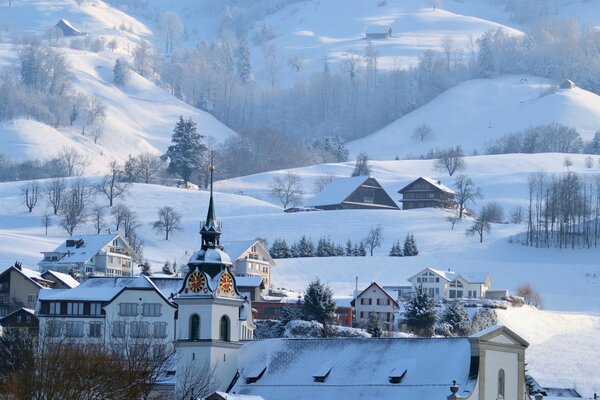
(118, 250)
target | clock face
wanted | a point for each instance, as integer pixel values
(196, 282)
(226, 283)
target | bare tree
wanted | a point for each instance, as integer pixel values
(453, 219)
(147, 167)
(323, 181)
(171, 29)
(530, 295)
(296, 62)
(54, 190)
(31, 192)
(479, 227)
(130, 223)
(287, 189)
(72, 162)
(374, 239)
(142, 58)
(97, 217)
(72, 212)
(119, 212)
(466, 192)
(111, 185)
(491, 212)
(516, 215)
(195, 383)
(113, 44)
(351, 63)
(422, 132)
(168, 221)
(435, 4)
(46, 221)
(450, 160)
(589, 162)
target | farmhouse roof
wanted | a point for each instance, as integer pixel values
(434, 182)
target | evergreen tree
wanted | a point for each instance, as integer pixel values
(244, 67)
(374, 325)
(325, 247)
(361, 168)
(410, 246)
(146, 269)
(349, 248)
(396, 250)
(362, 251)
(595, 144)
(318, 304)
(187, 152)
(304, 248)
(486, 57)
(121, 72)
(339, 250)
(457, 317)
(280, 249)
(420, 313)
(287, 314)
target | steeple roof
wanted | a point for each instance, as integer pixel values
(211, 227)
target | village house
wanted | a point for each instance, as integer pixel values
(425, 193)
(378, 32)
(67, 29)
(22, 319)
(251, 259)
(271, 309)
(358, 192)
(87, 255)
(19, 288)
(451, 285)
(375, 300)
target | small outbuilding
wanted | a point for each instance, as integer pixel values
(378, 33)
(67, 28)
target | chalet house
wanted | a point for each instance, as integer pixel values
(487, 365)
(87, 255)
(272, 310)
(67, 28)
(426, 192)
(375, 300)
(19, 287)
(378, 33)
(451, 285)
(61, 281)
(251, 259)
(400, 292)
(358, 192)
(23, 318)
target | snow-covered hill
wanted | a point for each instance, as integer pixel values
(140, 115)
(478, 111)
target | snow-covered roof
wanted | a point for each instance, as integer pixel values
(210, 256)
(380, 288)
(248, 281)
(236, 248)
(337, 191)
(469, 277)
(359, 368)
(64, 278)
(230, 396)
(377, 28)
(27, 310)
(92, 244)
(63, 23)
(434, 182)
(34, 276)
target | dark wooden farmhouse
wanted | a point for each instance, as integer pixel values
(358, 192)
(67, 28)
(378, 32)
(426, 192)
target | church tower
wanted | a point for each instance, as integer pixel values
(210, 309)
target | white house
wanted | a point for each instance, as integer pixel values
(250, 258)
(100, 255)
(108, 310)
(451, 285)
(375, 300)
(487, 366)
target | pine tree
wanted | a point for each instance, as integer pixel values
(362, 251)
(361, 168)
(486, 57)
(187, 151)
(339, 250)
(146, 269)
(410, 246)
(318, 304)
(595, 144)
(244, 67)
(374, 325)
(280, 249)
(325, 248)
(121, 72)
(304, 248)
(396, 250)
(349, 248)
(415, 250)
(420, 313)
(457, 317)
(287, 314)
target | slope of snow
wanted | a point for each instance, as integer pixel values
(315, 29)
(477, 111)
(140, 116)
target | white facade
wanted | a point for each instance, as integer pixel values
(375, 300)
(250, 258)
(451, 285)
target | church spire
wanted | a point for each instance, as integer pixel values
(211, 227)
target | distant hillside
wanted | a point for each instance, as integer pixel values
(477, 111)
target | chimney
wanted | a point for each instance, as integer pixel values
(439, 182)
(539, 396)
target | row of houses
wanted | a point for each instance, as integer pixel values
(364, 192)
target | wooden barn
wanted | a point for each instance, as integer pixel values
(358, 192)
(378, 33)
(426, 192)
(67, 28)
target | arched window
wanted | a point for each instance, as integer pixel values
(224, 329)
(195, 327)
(501, 384)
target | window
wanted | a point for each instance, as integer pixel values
(74, 308)
(53, 328)
(452, 294)
(378, 301)
(118, 329)
(389, 302)
(160, 329)
(95, 329)
(54, 308)
(18, 319)
(128, 309)
(28, 319)
(362, 314)
(95, 309)
(139, 329)
(151, 310)
(362, 301)
(370, 301)
(74, 328)
(195, 327)
(437, 280)
(501, 384)
(31, 298)
(224, 329)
